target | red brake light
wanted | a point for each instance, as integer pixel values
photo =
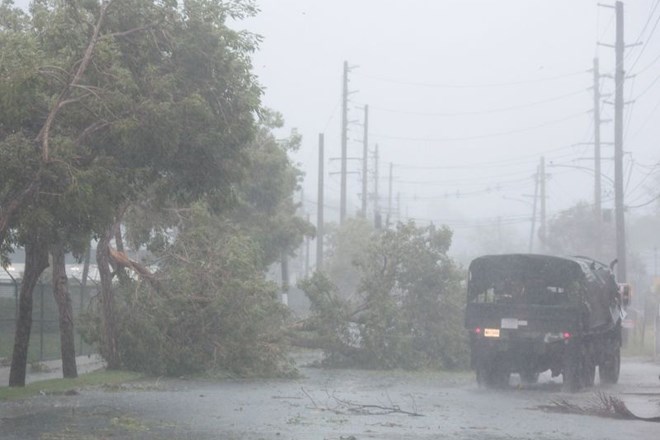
(477, 330)
(567, 335)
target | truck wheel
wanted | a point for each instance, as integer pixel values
(492, 376)
(571, 376)
(501, 377)
(572, 370)
(609, 369)
(529, 377)
(588, 372)
(482, 376)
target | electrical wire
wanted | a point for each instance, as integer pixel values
(470, 86)
(639, 38)
(648, 202)
(478, 112)
(490, 164)
(475, 137)
(649, 87)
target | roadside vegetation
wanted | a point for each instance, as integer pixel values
(138, 124)
(401, 306)
(60, 386)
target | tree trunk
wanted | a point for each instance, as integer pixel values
(36, 261)
(109, 346)
(63, 300)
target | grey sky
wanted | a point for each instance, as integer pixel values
(437, 76)
(464, 95)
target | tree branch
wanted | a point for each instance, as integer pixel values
(61, 101)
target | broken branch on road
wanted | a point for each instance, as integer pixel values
(346, 407)
(604, 405)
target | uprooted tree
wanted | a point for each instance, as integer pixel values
(207, 305)
(408, 309)
(212, 310)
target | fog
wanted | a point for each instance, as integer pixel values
(464, 98)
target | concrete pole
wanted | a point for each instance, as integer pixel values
(619, 76)
(344, 142)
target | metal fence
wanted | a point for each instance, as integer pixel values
(45, 334)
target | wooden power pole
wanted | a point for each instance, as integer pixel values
(319, 209)
(365, 161)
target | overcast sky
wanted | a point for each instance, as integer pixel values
(465, 96)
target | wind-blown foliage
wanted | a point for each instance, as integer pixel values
(409, 312)
(109, 105)
(213, 310)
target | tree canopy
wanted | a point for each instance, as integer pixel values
(150, 108)
(407, 311)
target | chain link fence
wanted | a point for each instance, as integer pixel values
(45, 334)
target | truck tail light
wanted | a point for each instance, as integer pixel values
(566, 335)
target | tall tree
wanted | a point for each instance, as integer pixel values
(65, 309)
(133, 94)
(36, 261)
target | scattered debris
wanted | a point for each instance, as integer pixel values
(603, 405)
(344, 407)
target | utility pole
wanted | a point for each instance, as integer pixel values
(536, 195)
(344, 142)
(598, 209)
(542, 232)
(377, 219)
(285, 277)
(365, 156)
(618, 147)
(398, 206)
(307, 252)
(319, 209)
(389, 198)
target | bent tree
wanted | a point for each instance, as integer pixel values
(103, 100)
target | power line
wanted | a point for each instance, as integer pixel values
(649, 87)
(645, 203)
(650, 173)
(526, 159)
(483, 136)
(650, 16)
(479, 112)
(648, 66)
(470, 86)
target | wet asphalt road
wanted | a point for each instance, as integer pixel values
(335, 404)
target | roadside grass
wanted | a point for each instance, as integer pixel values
(61, 386)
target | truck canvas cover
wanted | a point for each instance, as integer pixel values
(543, 282)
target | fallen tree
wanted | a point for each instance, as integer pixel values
(407, 310)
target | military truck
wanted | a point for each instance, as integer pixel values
(528, 313)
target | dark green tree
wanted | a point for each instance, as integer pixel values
(139, 95)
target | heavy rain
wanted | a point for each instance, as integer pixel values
(342, 220)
